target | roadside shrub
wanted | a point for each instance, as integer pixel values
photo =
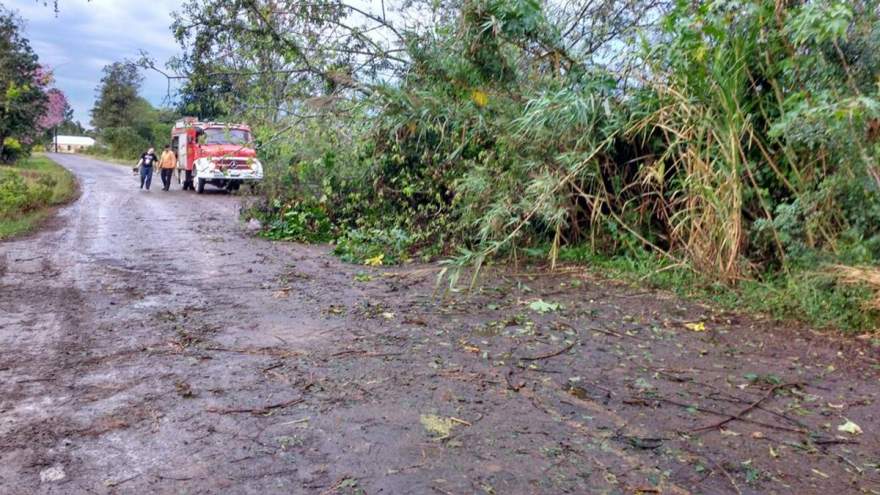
(373, 246)
(124, 142)
(12, 151)
(13, 194)
(298, 221)
(17, 196)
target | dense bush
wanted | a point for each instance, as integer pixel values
(298, 222)
(735, 138)
(373, 246)
(123, 142)
(12, 151)
(17, 196)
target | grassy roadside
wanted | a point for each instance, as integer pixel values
(819, 293)
(29, 190)
(114, 160)
(811, 295)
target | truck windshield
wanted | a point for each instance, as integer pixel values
(226, 136)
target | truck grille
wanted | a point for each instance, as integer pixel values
(232, 164)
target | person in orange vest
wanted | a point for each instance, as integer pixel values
(167, 164)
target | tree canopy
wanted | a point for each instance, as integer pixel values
(22, 82)
(124, 122)
(116, 96)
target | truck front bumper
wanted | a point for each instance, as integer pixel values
(230, 175)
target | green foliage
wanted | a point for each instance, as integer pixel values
(124, 142)
(116, 104)
(803, 294)
(12, 150)
(32, 185)
(299, 222)
(22, 100)
(740, 139)
(127, 124)
(16, 195)
(362, 245)
(27, 189)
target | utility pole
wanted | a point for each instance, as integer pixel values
(55, 140)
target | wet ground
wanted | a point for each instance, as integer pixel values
(150, 344)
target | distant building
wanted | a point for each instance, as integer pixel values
(72, 144)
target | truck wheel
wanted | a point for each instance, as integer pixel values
(201, 187)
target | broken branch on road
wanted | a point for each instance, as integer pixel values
(257, 411)
(750, 408)
(551, 354)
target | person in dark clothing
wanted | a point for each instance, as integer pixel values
(188, 179)
(146, 163)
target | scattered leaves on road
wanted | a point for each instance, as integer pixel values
(437, 426)
(850, 427)
(696, 326)
(375, 260)
(281, 293)
(541, 306)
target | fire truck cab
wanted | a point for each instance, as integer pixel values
(216, 153)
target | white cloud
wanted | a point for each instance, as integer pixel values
(50, 53)
(97, 62)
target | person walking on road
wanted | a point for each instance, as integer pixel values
(167, 164)
(146, 163)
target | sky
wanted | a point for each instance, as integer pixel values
(84, 36)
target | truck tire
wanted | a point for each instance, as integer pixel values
(201, 186)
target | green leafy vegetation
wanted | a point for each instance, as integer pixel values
(810, 295)
(28, 190)
(727, 148)
(307, 223)
(29, 106)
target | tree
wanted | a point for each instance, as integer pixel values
(57, 111)
(204, 96)
(117, 95)
(126, 123)
(73, 128)
(22, 100)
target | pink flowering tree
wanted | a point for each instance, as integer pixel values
(57, 110)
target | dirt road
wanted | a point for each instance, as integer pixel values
(149, 344)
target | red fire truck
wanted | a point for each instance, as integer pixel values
(214, 153)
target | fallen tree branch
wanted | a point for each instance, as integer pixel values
(258, 410)
(750, 408)
(609, 332)
(349, 352)
(645, 401)
(269, 351)
(549, 355)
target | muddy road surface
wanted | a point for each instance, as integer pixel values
(150, 344)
